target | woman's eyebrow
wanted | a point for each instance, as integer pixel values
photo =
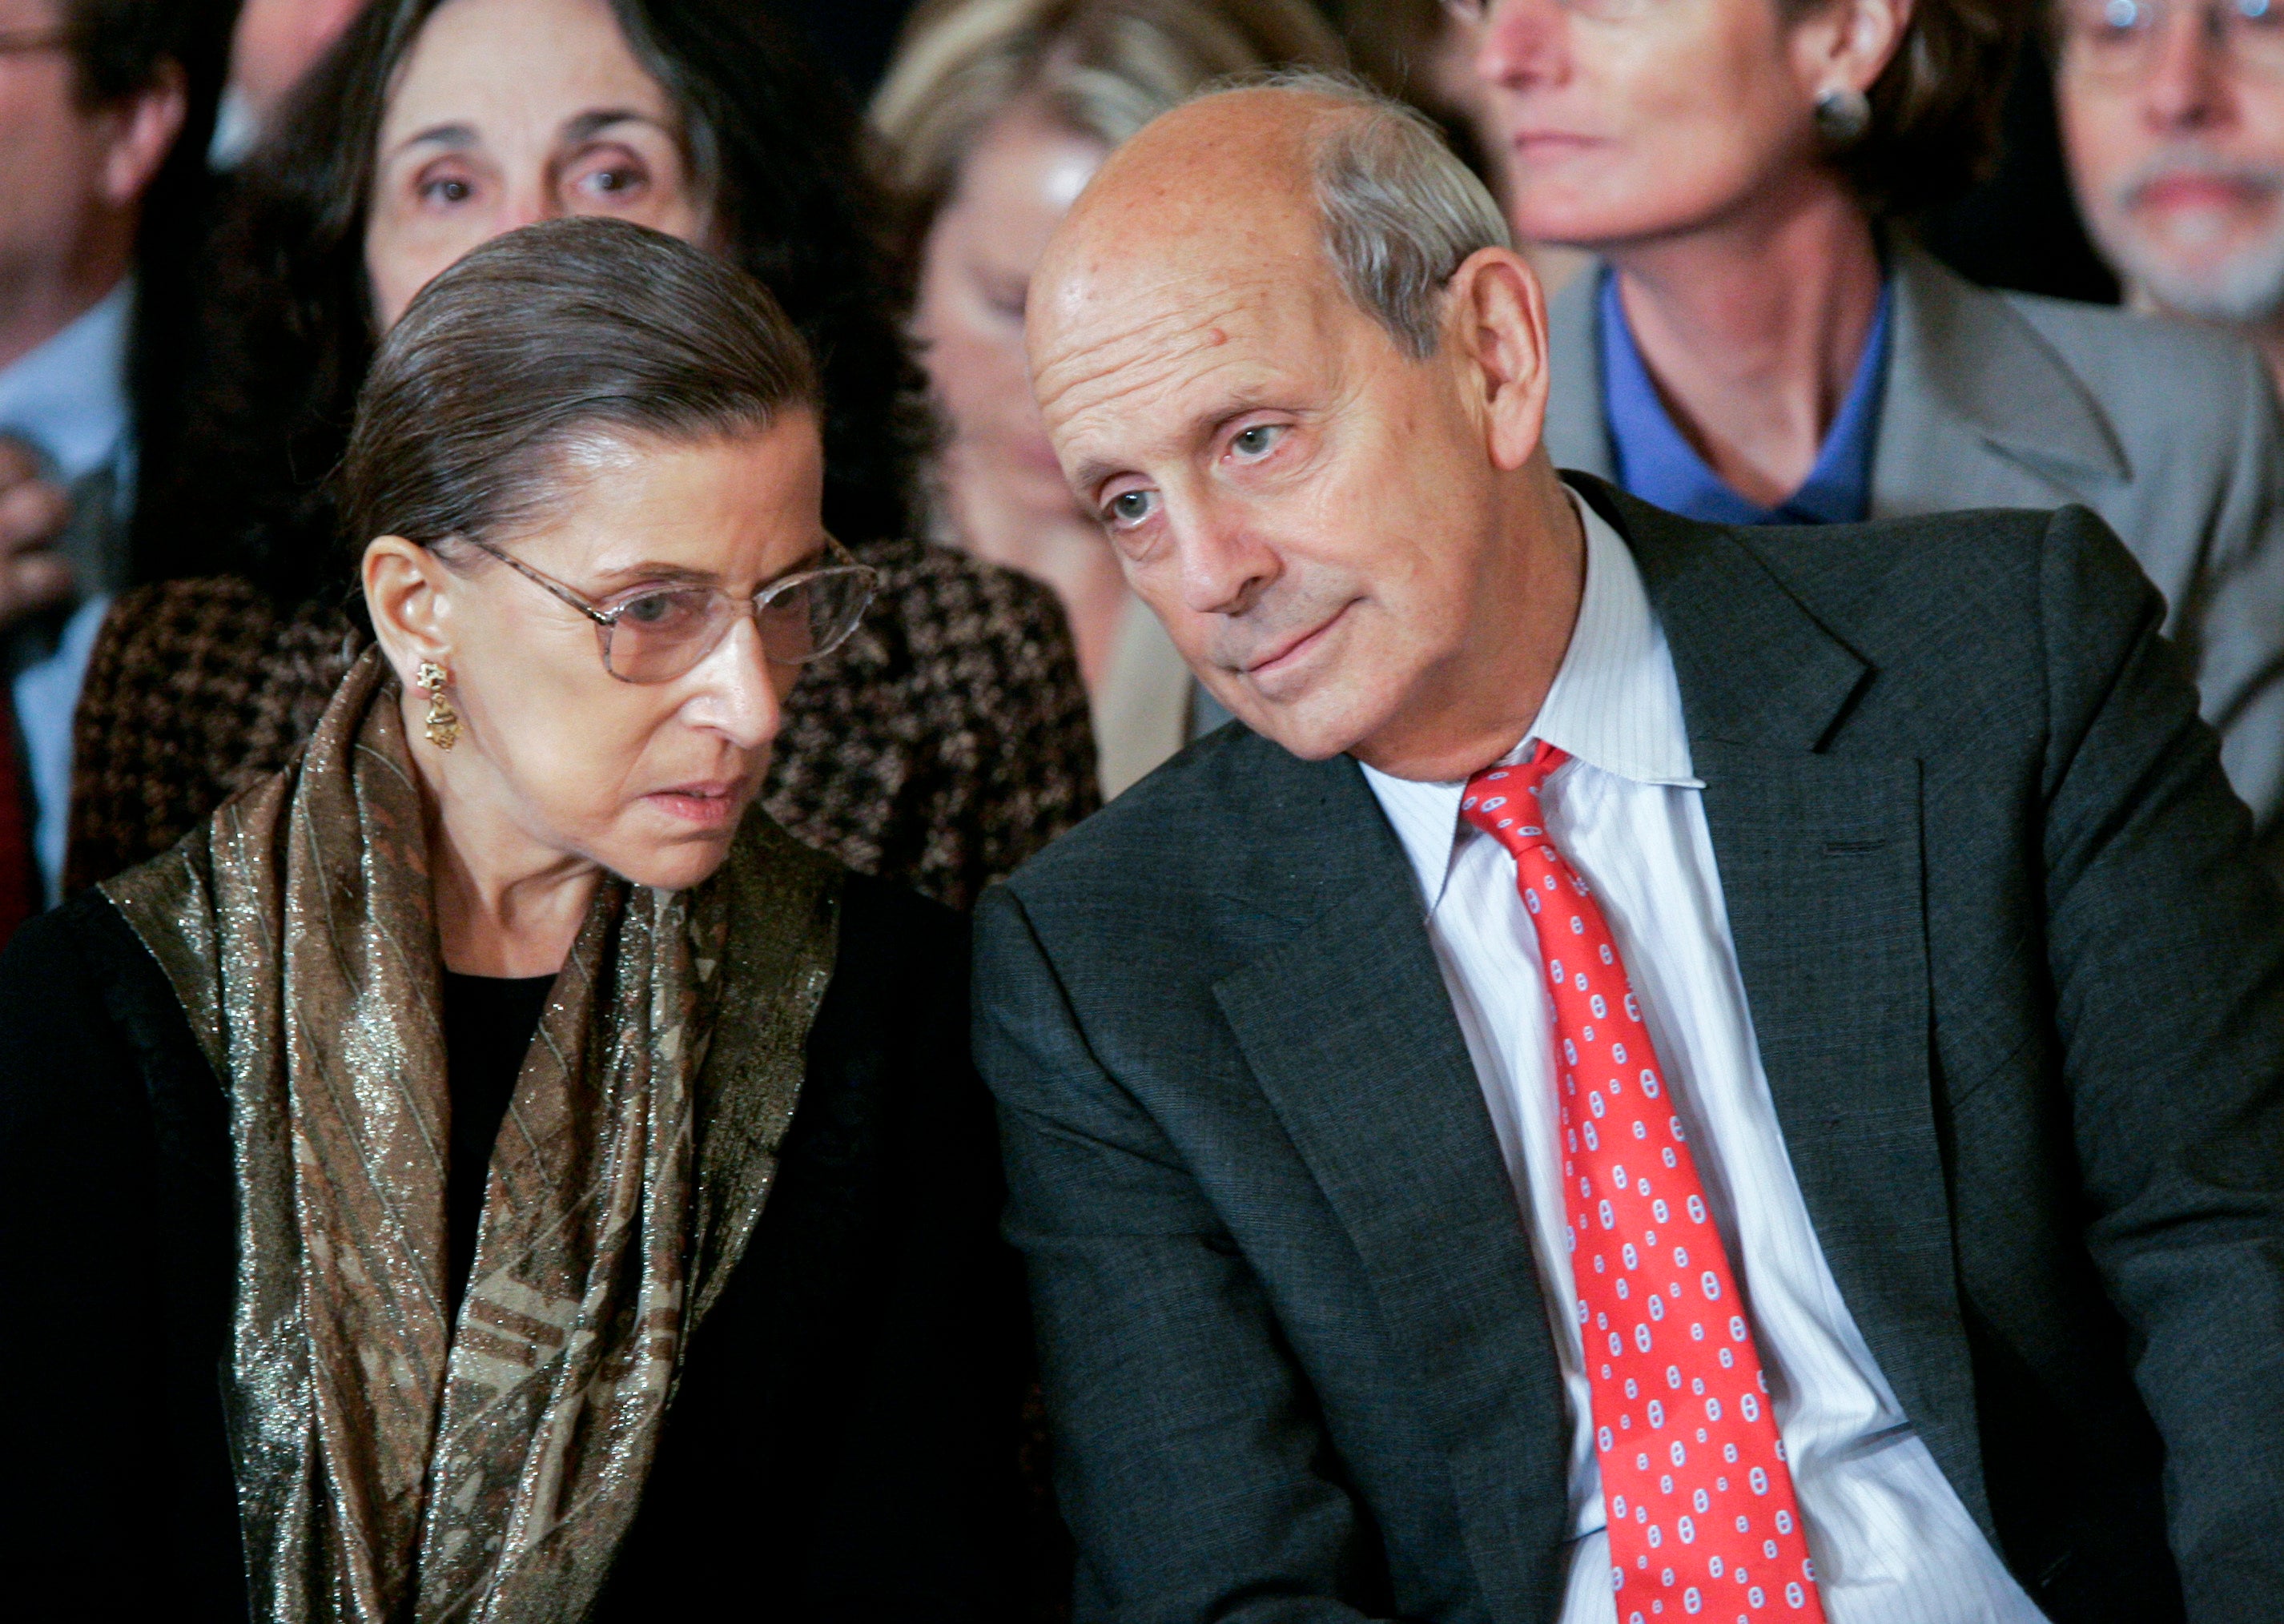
(439, 135)
(674, 575)
(589, 124)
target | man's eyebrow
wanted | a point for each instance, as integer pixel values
(1201, 430)
(1092, 471)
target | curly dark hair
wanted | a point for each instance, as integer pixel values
(287, 330)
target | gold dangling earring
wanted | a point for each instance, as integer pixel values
(444, 721)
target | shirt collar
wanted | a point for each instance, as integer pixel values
(68, 396)
(1614, 705)
(1655, 461)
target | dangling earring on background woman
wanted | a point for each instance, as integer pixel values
(443, 721)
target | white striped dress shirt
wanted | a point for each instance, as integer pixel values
(1893, 1543)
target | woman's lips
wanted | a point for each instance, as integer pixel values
(709, 804)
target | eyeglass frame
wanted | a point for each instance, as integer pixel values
(606, 620)
(2218, 20)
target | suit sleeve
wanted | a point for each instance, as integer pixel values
(2166, 947)
(1190, 1460)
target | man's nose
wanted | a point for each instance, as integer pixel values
(1522, 43)
(2188, 84)
(737, 695)
(1224, 565)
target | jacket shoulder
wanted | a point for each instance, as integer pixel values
(2153, 367)
(1177, 830)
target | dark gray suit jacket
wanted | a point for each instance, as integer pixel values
(2018, 983)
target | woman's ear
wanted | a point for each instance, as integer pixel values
(408, 593)
(1494, 316)
(1847, 44)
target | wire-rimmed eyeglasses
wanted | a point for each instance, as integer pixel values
(2118, 39)
(655, 634)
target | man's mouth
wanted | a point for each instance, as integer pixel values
(1284, 655)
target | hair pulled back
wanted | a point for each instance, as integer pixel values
(544, 337)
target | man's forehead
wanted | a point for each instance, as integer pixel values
(1178, 343)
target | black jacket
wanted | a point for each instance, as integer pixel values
(2018, 987)
(842, 1444)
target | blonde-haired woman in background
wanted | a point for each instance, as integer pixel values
(993, 117)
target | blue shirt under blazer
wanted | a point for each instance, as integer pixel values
(2016, 978)
(1983, 399)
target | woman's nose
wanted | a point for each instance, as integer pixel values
(738, 695)
(1521, 44)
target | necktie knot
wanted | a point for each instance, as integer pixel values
(1503, 801)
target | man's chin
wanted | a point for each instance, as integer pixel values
(1315, 726)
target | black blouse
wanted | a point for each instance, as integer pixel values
(842, 1442)
(488, 1023)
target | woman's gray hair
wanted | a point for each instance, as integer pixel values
(1401, 212)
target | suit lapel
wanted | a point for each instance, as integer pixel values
(1979, 410)
(1349, 1029)
(1819, 853)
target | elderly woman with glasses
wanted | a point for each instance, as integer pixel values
(1763, 343)
(940, 746)
(488, 1169)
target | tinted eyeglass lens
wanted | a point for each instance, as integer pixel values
(813, 617)
(661, 634)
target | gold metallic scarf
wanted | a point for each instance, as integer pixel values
(390, 1465)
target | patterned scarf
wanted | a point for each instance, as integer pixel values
(392, 1466)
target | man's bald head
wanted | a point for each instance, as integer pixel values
(1282, 350)
(1299, 167)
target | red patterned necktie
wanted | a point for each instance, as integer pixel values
(1701, 1514)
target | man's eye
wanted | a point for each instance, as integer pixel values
(1130, 507)
(1256, 441)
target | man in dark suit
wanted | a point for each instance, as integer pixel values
(1675, 1071)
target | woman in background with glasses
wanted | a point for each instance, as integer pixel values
(488, 1169)
(940, 746)
(1762, 342)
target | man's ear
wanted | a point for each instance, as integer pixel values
(145, 125)
(1495, 319)
(407, 592)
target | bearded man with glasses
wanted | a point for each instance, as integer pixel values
(2172, 118)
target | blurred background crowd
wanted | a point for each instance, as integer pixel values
(215, 207)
